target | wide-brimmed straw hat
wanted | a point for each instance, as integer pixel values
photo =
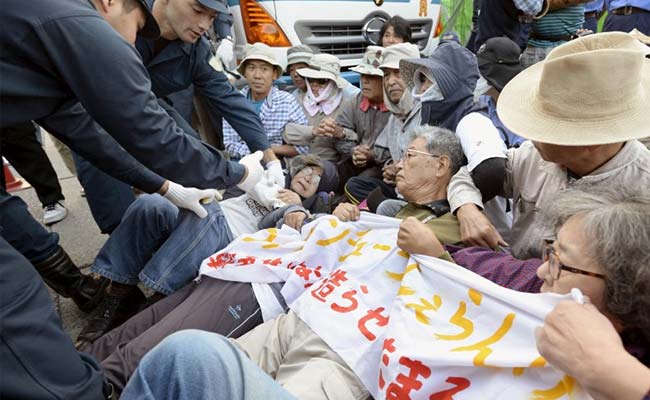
(324, 66)
(589, 91)
(371, 62)
(262, 52)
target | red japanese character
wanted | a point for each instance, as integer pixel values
(293, 265)
(221, 260)
(247, 260)
(372, 314)
(274, 262)
(401, 389)
(328, 285)
(349, 295)
(389, 347)
(303, 271)
(460, 385)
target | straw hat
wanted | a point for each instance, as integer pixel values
(638, 35)
(324, 66)
(393, 54)
(259, 51)
(589, 91)
(299, 54)
(371, 61)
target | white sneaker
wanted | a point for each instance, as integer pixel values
(53, 213)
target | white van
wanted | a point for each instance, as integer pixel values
(343, 28)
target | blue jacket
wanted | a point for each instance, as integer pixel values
(58, 53)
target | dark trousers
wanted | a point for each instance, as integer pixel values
(23, 151)
(37, 358)
(591, 23)
(227, 308)
(358, 188)
(23, 232)
(625, 23)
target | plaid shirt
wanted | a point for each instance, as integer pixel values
(529, 7)
(278, 109)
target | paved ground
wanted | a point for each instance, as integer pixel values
(79, 235)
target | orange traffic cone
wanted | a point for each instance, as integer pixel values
(12, 183)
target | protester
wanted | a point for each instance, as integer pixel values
(298, 57)
(572, 141)
(504, 18)
(626, 15)
(162, 248)
(393, 140)
(275, 108)
(395, 30)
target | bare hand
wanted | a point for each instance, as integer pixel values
(414, 237)
(361, 155)
(476, 229)
(325, 128)
(295, 219)
(289, 197)
(347, 212)
(389, 172)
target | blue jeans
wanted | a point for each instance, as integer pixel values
(195, 364)
(625, 23)
(22, 231)
(160, 246)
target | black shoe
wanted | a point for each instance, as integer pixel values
(60, 273)
(112, 312)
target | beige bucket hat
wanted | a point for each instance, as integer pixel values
(589, 91)
(371, 62)
(324, 66)
(299, 54)
(393, 54)
(259, 51)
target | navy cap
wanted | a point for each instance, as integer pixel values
(216, 5)
(150, 30)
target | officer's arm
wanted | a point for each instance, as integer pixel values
(107, 76)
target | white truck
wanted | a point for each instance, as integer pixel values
(343, 28)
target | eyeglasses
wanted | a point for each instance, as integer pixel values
(555, 267)
(410, 153)
(309, 171)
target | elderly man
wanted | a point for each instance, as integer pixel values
(298, 57)
(274, 107)
(405, 114)
(571, 141)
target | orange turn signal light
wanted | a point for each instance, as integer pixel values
(261, 27)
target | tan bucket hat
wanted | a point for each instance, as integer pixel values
(589, 91)
(371, 62)
(259, 51)
(299, 54)
(393, 54)
(324, 66)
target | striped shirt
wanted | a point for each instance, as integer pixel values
(279, 108)
(565, 21)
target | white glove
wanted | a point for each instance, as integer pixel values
(226, 53)
(275, 172)
(190, 198)
(266, 192)
(255, 171)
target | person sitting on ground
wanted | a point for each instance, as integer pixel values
(571, 141)
(324, 98)
(162, 248)
(298, 57)
(395, 30)
(206, 305)
(363, 119)
(275, 107)
(599, 250)
(393, 140)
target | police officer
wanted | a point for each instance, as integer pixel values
(626, 15)
(593, 12)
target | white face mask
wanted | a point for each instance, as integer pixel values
(433, 93)
(482, 87)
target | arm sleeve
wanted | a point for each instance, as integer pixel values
(223, 99)
(271, 219)
(529, 7)
(235, 146)
(480, 139)
(461, 190)
(114, 87)
(297, 116)
(298, 135)
(489, 177)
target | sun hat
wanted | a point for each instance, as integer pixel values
(589, 91)
(370, 63)
(299, 54)
(259, 51)
(640, 36)
(498, 61)
(324, 66)
(393, 54)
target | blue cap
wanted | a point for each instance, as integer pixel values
(216, 5)
(150, 30)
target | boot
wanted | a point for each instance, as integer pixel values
(120, 303)
(60, 273)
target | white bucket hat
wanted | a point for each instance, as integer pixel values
(324, 66)
(262, 52)
(299, 54)
(393, 54)
(371, 62)
(589, 91)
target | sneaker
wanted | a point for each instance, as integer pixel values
(112, 312)
(53, 213)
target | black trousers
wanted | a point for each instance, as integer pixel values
(18, 144)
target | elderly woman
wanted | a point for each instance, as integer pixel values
(395, 30)
(162, 248)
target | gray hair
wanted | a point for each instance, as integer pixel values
(616, 223)
(441, 142)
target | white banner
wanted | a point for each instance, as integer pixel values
(409, 327)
